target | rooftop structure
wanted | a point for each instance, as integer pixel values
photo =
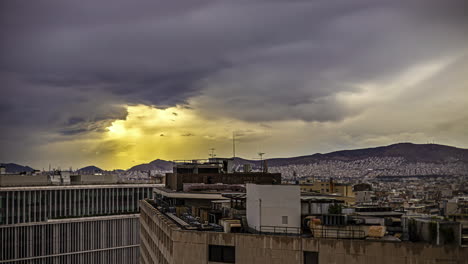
(214, 171)
(327, 187)
(274, 206)
(55, 178)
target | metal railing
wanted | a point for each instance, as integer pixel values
(337, 233)
(280, 230)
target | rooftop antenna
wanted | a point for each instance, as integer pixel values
(233, 144)
(212, 155)
(261, 158)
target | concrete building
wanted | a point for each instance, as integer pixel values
(433, 230)
(94, 179)
(103, 239)
(214, 171)
(23, 180)
(72, 223)
(164, 241)
(36, 204)
(55, 178)
(317, 205)
(327, 187)
(274, 208)
(364, 196)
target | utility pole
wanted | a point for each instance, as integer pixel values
(212, 155)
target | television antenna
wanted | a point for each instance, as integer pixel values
(260, 154)
(233, 144)
(212, 155)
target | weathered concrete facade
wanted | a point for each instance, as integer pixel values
(103, 239)
(164, 242)
(23, 180)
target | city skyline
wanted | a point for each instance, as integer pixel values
(117, 85)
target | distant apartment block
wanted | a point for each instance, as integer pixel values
(327, 187)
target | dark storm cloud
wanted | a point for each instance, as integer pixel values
(67, 67)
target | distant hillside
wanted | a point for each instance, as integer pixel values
(409, 152)
(160, 165)
(402, 159)
(16, 168)
(432, 153)
(89, 169)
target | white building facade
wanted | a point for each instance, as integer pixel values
(274, 208)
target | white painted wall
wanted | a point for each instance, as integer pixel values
(267, 204)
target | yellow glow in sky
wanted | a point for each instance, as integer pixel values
(149, 133)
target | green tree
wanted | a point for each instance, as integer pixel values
(335, 208)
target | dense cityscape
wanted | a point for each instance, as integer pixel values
(233, 131)
(229, 207)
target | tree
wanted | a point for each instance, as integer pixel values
(335, 208)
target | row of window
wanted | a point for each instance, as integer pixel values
(50, 239)
(113, 256)
(163, 239)
(155, 249)
(227, 254)
(39, 205)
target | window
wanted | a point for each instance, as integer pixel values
(310, 257)
(226, 254)
(284, 220)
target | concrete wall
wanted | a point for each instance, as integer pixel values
(364, 196)
(94, 179)
(23, 180)
(439, 235)
(163, 242)
(268, 204)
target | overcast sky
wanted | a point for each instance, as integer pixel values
(117, 83)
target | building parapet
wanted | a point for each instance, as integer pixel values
(165, 242)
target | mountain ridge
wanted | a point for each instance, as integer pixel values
(90, 169)
(410, 152)
(157, 164)
(16, 168)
